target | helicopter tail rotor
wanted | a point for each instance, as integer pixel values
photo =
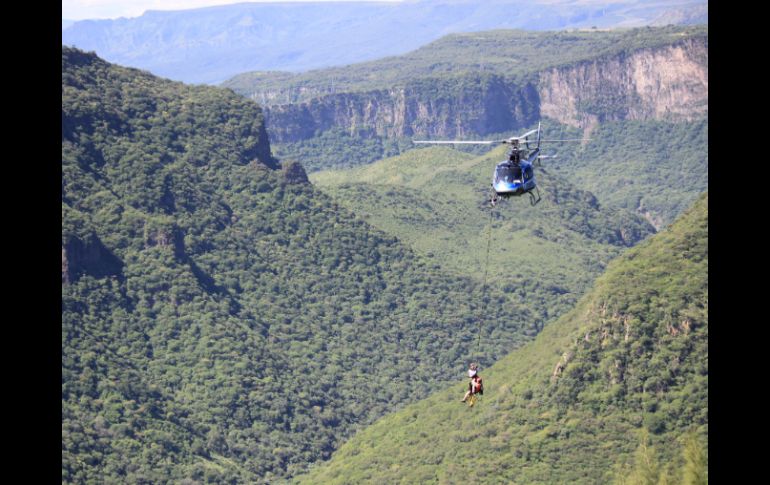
(540, 157)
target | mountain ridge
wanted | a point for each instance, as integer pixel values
(209, 45)
(667, 81)
(506, 52)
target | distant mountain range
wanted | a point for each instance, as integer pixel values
(209, 45)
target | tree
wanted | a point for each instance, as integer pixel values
(645, 469)
(695, 470)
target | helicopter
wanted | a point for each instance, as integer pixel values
(515, 176)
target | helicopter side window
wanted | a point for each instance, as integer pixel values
(528, 173)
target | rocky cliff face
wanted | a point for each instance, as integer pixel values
(432, 108)
(669, 82)
(665, 83)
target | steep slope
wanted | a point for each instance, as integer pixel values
(669, 82)
(568, 408)
(211, 44)
(436, 200)
(222, 320)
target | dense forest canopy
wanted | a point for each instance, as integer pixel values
(222, 321)
(655, 168)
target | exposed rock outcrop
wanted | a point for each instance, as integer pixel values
(669, 83)
(432, 108)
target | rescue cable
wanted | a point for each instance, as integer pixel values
(484, 285)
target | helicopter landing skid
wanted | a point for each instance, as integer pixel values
(532, 200)
(534, 197)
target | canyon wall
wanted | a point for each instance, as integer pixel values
(669, 82)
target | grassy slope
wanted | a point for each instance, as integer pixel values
(435, 199)
(635, 351)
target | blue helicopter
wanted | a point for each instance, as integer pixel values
(514, 176)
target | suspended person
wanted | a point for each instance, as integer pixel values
(475, 386)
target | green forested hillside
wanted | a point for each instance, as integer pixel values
(655, 168)
(612, 391)
(222, 321)
(436, 199)
(338, 149)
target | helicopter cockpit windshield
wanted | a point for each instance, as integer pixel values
(508, 173)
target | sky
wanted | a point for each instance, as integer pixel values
(112, 9)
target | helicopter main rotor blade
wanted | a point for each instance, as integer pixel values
(524, 135)
(453, 142)
(574, 139)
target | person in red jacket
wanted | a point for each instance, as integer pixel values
(475, 386)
